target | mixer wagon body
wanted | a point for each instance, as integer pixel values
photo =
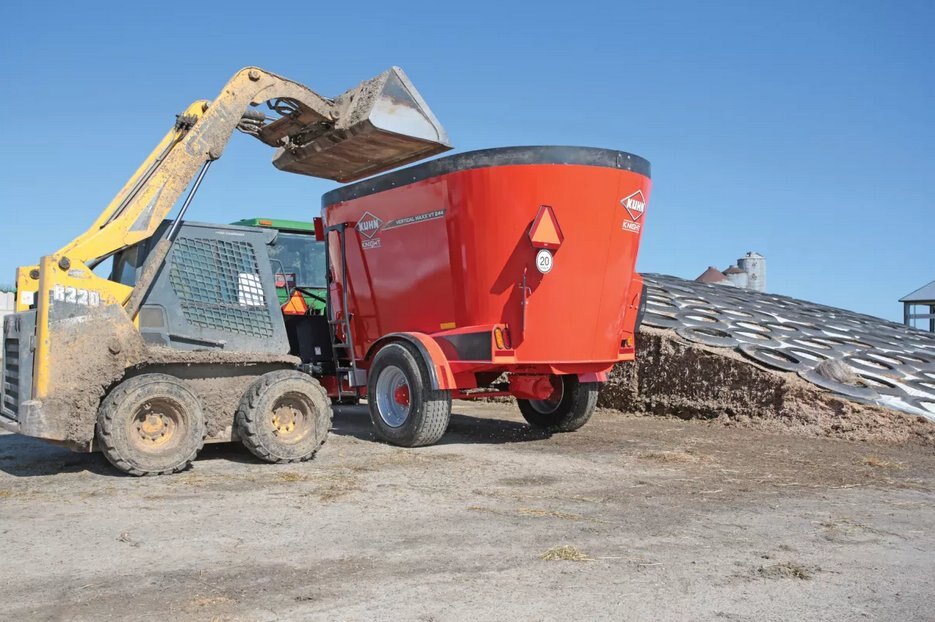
(517, 260)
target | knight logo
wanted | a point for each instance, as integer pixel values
(635, 204)
(368, 225)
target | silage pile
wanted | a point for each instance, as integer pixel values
(672, 376)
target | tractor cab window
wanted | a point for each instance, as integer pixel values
(300, 255)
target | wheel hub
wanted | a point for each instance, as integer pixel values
(292, 418)
(550, 404)
(401, 395)
(284, 420)
(154, 425)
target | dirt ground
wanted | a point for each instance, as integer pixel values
(631, 518)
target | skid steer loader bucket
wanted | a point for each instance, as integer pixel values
(377, 126)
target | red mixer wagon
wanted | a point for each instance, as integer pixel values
(498, 272)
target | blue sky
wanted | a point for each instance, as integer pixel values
(802, 130)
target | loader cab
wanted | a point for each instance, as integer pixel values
(214, 290)
(257, 285)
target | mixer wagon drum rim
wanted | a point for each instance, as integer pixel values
(487, 158)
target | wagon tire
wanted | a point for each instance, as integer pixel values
(284, 416)
(150, 424)
(405, 410)
(570, 410)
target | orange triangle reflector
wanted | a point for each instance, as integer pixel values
(295, 305)
(545, 232)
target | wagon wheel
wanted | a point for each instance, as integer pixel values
(565, 411)
(404, 409)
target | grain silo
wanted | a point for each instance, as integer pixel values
(754, 264)
(736, 276)
(713, 276)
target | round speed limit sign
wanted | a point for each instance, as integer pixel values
(544, 261)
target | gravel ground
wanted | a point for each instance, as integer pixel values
(637, 518)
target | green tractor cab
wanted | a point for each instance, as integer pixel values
(298, 261)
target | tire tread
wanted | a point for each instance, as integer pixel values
(108, 412)
(436, 404)
(246, 416)
(576, 407)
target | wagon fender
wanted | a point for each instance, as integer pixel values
(440, 374)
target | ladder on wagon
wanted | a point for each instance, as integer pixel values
(345, 367)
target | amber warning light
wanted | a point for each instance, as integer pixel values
(545, 232)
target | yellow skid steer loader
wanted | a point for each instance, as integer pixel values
(183, 342)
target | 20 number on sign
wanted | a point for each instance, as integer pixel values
(544, 261)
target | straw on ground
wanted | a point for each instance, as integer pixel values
(566, 553)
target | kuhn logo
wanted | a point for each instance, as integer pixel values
(635, 204)
(368, 225)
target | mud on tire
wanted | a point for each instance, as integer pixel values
(404, 409)
(284, 416)
(150, 424)
(566, 414)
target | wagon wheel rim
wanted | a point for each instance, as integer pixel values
(157, 425)
(394, 396)
(291, 418)
(550, 405)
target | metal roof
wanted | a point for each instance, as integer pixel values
(711, 275)
(926, 293)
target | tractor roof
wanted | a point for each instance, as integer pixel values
(299, 226)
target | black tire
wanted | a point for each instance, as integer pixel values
(284, 416)
(150, 424)
(424, 419)
(567, 414)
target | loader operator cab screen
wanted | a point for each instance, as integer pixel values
(302, 255)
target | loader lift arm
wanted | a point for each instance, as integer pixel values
(330, 138)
